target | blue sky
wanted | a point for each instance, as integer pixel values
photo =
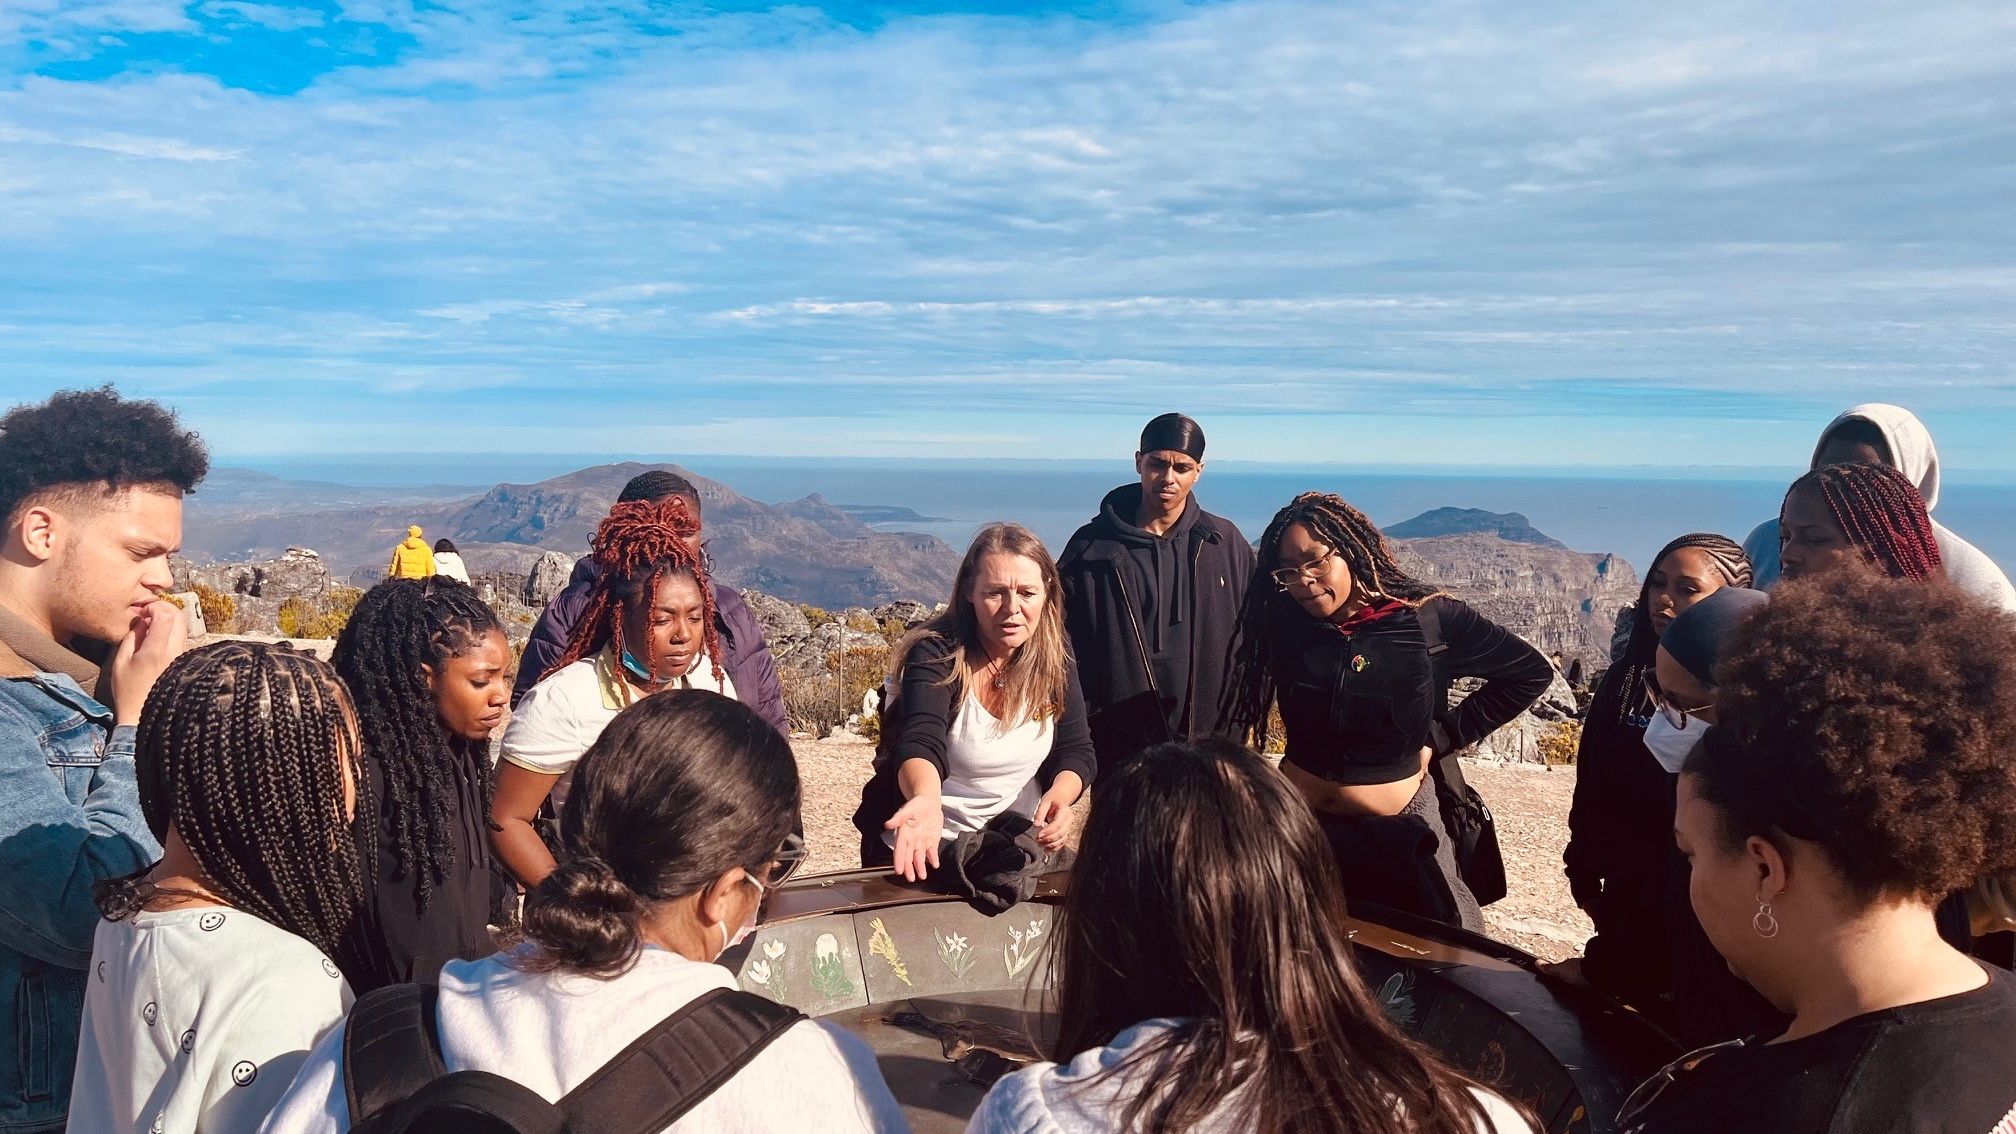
(1420, 233)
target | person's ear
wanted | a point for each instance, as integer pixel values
(1771, 867)
(717, 900)
(39, 530)
(1140, 463)
(433, 679)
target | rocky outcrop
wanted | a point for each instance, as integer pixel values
(1509, 526)
(1560, 600)
(547, 578)
(1521, 740)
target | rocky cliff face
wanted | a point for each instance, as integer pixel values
(1560, 600)
(808, 551)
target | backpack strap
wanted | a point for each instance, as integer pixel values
(391, 1048)
(668, 1070)
(1447, 768)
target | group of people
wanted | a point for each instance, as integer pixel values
(236, 876)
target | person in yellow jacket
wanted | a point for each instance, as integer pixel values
(412, 559)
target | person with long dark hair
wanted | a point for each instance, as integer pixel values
(1858, 773)
(680, 821)
(1619, 852)
(650, 626)
(212, 973)
(1337, 634)
(987, 720)
(1205, 980)
(429, 669)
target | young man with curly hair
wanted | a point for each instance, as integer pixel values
(91, 488)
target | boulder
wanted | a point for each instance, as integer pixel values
(784, 623)
(192, 612)
(548, 576)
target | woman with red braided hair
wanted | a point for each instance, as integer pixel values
(648, 627)
(1838, 513)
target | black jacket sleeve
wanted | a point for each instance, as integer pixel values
(1071, 741)
(1515, 675)
(926, 705)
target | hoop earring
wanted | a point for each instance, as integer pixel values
(1765, 924)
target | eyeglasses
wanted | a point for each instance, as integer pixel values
(1651, 1090)
(784, 862)
(1674, 714)
(1285, 577)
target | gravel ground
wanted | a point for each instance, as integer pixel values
(1530, 803)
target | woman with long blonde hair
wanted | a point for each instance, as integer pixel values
(986, 718)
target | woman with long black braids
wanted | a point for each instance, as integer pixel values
(428, 666)
(211, 975)
(1338, 634)
(1620, 843)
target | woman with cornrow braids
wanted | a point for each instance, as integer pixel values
(428, 666)
(1620, 843)
(211, 976)
(648, 627)
(1333, 631)
(1837, 513)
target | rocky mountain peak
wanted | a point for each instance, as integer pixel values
(1510, 526)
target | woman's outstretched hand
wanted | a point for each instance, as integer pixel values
(918, 824)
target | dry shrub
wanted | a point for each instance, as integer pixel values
(303, 617)
(1559, 744)
(220, 611)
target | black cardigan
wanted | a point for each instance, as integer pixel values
(919, 721)
(1359, 702)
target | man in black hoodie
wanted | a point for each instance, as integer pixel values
(1152, 590)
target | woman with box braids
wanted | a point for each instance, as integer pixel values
(428, 666)
(649, 626)
(1348, 535)
(215, 965)
(1359, 654)
(640, 543)
(1872, 509)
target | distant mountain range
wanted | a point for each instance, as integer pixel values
(806, 550)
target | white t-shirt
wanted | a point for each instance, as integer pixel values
(1081, 1097)
(550, 1031)
(989, 770)
(563, 715)
(196, 1020)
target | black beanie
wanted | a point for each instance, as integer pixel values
(1697, 636)
(1173, 431)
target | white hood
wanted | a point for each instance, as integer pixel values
(1911, 450)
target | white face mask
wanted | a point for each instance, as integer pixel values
(730, 940)
(1671, 746)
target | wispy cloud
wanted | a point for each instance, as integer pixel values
(392, 215)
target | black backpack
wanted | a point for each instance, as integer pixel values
(1473, 833)
(395, 1082)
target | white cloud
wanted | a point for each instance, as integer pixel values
(1243, 206)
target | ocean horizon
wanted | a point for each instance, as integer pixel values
(1630, 511)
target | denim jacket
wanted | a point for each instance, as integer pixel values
(69, 816)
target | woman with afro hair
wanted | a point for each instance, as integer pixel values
(649, 626)
(1858, 773)
(428, 666)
